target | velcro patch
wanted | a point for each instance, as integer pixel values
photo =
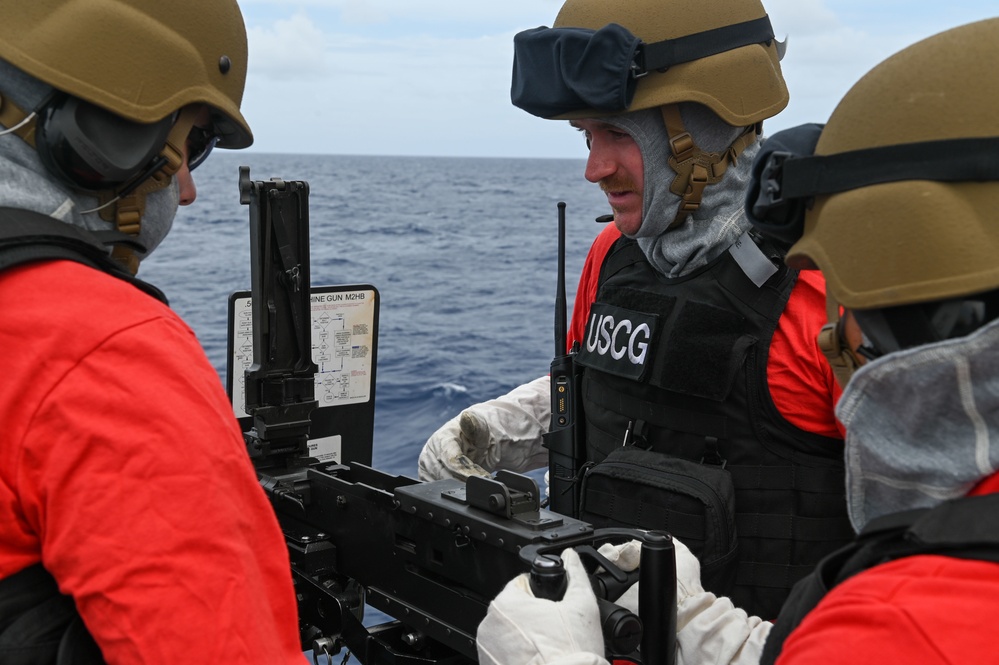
(619, 341)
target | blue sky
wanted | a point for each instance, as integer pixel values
(432, 77)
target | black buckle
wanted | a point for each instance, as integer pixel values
(771, 182)
(712, 456)
(638, 68)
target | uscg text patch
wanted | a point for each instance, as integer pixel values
(618, 341)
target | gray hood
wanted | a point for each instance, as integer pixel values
(27, 185)
(922, 425)
(718, 222)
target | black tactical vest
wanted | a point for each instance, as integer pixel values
(966, 528)
(686, 437)
(38, 624)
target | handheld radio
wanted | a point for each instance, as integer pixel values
(564, 438)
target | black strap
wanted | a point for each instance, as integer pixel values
(663, 55)
(953, 160)
(27, 236)
(966, 528)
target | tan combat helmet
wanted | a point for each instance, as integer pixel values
(896, 199)
(921, 236)
(602, 58)
(131, 77)
(742, 85)
(140, 59)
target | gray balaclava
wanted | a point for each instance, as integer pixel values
(26, 184)
(718, 222)
(921, 426)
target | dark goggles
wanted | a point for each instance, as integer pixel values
(200, 142)
(560, 70)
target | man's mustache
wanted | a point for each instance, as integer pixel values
(618, 183)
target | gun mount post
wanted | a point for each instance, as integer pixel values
(280, 384)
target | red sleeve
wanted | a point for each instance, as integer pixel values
(134, 482)
(586, 292)
(802, 384)
(930, 610)
(152, 517)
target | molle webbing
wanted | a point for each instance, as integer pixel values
(713, 411)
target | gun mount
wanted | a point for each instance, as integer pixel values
(431, 556)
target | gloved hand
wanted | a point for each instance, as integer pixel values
(520, 629)
(626, 556)
(710, 629)
(503, 433)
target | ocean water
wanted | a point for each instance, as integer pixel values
(462, 251)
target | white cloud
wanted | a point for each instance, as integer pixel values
(293, 47)
(432, 77)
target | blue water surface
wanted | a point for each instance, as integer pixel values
(463, 252)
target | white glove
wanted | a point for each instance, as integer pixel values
(520, 629)
(503, 433)
(710, 629)
(626, 557)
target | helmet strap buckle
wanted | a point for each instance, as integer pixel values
(130, 201)
(17, 121)
(842, 359)
(695, 168)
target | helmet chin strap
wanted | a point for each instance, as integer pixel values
(695, 168)
(17, 121)
(842, 359)
(125, 205)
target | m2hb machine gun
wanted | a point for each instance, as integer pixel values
(429, 555)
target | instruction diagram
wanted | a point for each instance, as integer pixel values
(343, 322)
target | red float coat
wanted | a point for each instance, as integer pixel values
(123, 471)
(925, 610)
(802, 385)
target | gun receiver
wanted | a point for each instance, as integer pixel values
(564, 438)
(280, 384)
(431, 556)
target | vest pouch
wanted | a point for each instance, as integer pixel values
(694, 503)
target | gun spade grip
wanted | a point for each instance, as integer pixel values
(657, 599)
(548, 579)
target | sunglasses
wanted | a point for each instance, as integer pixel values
(200, 142)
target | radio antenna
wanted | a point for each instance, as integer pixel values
(560, 307)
